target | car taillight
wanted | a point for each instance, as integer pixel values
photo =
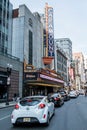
(16, 106)
(44, 116)
(56, 99)
(41, 105)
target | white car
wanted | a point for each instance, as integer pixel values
(73, 94)
(33, 109)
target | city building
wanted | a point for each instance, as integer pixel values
(61, 63)
(11, 69)
(85, 64)
(5, 27)
(85, 61)
(79, 69)
(66, 45)
(27, 41)
(11, 77)
(44, 80)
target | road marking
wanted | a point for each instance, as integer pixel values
(4, 117)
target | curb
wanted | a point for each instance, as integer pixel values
(6, 106)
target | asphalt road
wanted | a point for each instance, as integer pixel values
(71, 116)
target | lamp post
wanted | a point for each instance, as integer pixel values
(9, 69)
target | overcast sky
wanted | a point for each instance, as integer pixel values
(70, 19)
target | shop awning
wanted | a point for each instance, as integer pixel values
(43, 84)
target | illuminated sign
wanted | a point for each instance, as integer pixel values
(30, 76)
(50, 78)
(50, 33)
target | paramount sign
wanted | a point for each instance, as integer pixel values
(50, 33)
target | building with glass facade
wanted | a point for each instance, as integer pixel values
(66, 45)
(11, 69)
(5, 27)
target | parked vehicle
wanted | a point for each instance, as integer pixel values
(73, 94)
(57, 99)
(81, 92)
(33, 109)
(65, 95)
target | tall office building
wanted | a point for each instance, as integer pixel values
(11, 72)
(27, 36)
(66, 45)
(5, 27)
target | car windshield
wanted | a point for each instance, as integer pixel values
(62, 92)
(55, 95)
(30, 101)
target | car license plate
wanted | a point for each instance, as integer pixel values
(26, 119)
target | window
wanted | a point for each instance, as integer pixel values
(30, 22)
(30, 47)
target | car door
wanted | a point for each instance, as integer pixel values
(61, 98)
(50, 105)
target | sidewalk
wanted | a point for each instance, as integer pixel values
(3, 105)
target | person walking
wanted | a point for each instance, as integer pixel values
(85, 92)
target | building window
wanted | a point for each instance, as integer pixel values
(30, 22)
(30, 47)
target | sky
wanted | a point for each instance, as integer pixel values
(70, 19)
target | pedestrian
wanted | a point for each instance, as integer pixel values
(86, 92)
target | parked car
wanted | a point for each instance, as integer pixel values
(57, 99)
(81, 92)
(65, 95)
(73, 94)
(32, 109)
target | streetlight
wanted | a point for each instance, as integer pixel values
(9, 69)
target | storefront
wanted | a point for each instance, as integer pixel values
(3, 85)
(41, 81)
(11, 77)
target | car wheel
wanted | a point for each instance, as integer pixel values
(48, 120)
(14, 124)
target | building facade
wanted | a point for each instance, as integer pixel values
(11, 77)
(41, 81)
(11, 69)
(5, 27)
(61, 63)
(66, 45)
(79, 69)
(85, 63)
(27, 36)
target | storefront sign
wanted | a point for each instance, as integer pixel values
(50, 78)
(30, 76)
(53, 74)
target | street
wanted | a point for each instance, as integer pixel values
(71, 116)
